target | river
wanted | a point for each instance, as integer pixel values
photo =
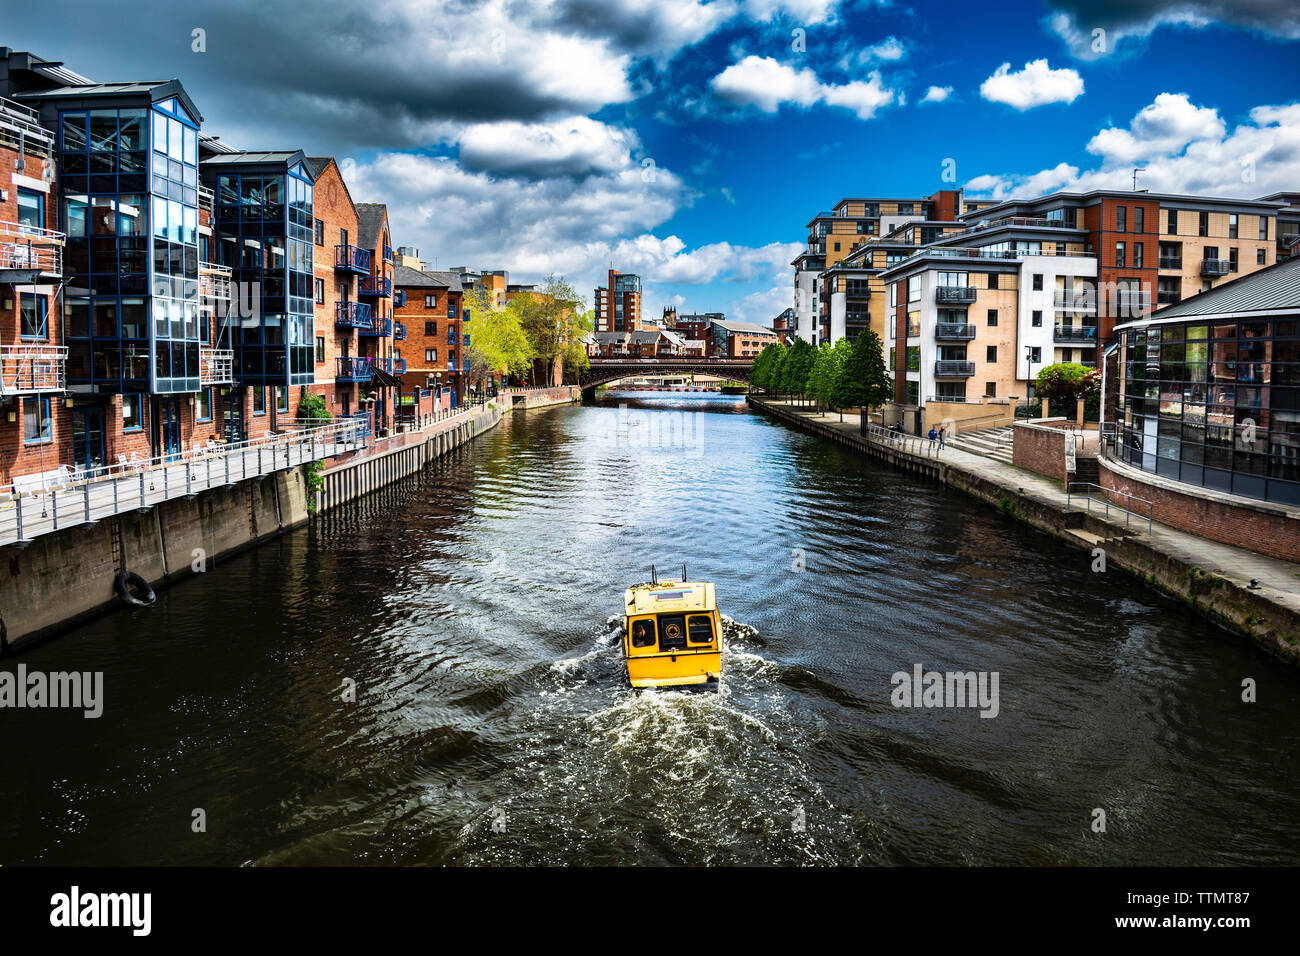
(474, 609)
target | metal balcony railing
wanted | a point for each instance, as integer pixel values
(1167, 297)
(351, 315)
(205, 200)
(1170, 262)
(399, 332)
(27, 248)
(216, 366)
(214, 283)
(87, 497)
(353, 368)
(954, 369)
(1075, 300)
(399, 298)
(352, 259)
(954, 330)
(1022, 221)
(21, 124)
(1132, 303)
(376, 328)
(32, 369)
(954, 293)
(1075, 333)
(393, 366)
(1215, 267)
(375, 286)
(388, 253)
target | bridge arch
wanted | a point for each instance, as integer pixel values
(604, 371)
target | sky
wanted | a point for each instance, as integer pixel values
(691, 141)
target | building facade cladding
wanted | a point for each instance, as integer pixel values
(334, 293)
(438, 330)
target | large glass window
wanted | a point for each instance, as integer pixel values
(34, 324)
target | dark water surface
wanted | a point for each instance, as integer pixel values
(475, 608)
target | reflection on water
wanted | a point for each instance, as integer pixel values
(476, 608)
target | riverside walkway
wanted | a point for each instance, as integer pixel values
(1278, 580)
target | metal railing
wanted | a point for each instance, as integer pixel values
(1170, 262)
(216, 366)
(1075, 300)
(352, 258)
(954, 293)
(31, 248)
(351, 315)
(205, 200)
(1215, 267)
(912, 444)
(214, 282)
(399, 331)
(1085, 491)
(89, 497)
(954, 367)
(1029, 221)
(32, 369)
(353, 368)
(374, 285)
(954, 330)
(1074, 333)
(377, 327)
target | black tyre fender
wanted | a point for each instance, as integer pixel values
(134, 590)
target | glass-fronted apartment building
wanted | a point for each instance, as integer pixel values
(1207, 392)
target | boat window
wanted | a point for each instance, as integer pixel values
(672, 632)
(643, 633)
(700, 629)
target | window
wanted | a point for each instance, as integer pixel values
(282, 398)
(699, 629)
(1036, 319)
(1203, 227)
(1263, 228)
(31, 209)
(1038, 282)
(343, 237)
(1121, 257)
(1139, 219)
(837, 247)
(1261, 257)
(1173, 222)
(991, 354)
(259, 400)
(643, 633)
(430, 328)
(132, 413)
(320, 348)
(320, 233)
(990, 389)
(34, 316)
(993, 280)
(320, 290)
(914, 289)
(993, 317)
(1137, 254)
(205, 405)
(1232, 225)
(1232, 259)
(430, 301)
(451, 309)
(1121, 218)
(1035, 355)
(431, 355)
(1067, 355)
(36, 420)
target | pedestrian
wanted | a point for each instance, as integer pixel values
(943, 436)
(933, 434)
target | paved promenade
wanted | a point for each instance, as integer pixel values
(1279, 580)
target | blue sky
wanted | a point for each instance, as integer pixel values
(691, 140)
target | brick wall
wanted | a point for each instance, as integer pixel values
(1262, 528)
(1039, 448)
(415, 315)
(332, 205)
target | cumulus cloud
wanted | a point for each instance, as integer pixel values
(1185, 149)
(1036, 85)
(936, 94)
(764, 83)
(1076, 21)
(575, 146)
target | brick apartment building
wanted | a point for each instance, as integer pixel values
(431, 307)
(618, 303)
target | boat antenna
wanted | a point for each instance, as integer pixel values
(653, 578)
(683, 572)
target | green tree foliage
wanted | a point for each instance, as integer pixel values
(1064, 383)
(498, 343)
(765, 364)
(840, 356)
(550, 319)
(864, 382)
(574, 352)
(797, 367)
(312, 407)
(823, 374)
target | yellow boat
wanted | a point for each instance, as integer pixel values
(672, 635)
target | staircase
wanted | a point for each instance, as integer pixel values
(992, 443)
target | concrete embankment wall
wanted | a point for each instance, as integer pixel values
(1272, 626)
(62, 579)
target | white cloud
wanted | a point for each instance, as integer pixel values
(1037, 84)
(577, 145)
(1186, 149)
(936, 94)
(1077, 21)
(800, 11)
(1164, 127)
(889, 50)
(764, 83)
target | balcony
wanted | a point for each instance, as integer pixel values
(954, 293)
(214, 283)
(352, 369)
(399, 332)
(954, 330)
(1215, 267)
(30, 255)
(217, 366)
(466, 319)
(352, 259)
(1129, 303)
(351, 315)
(388, 253)
(205, 201)
(953, 369)
(1075, 334)
(375, 286)
(393, 366)
(1075, 300)
(1170, 262)
(1167, 297)
(376, 328)
(32, 369)
(399, 298)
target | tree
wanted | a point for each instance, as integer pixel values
(841, 354)
(760, 376)
(549, 318)
(497, 341)
(574, 352)
(1064, 383)
(864, 382)
(822, 375)
(798, 365)
(776, 374)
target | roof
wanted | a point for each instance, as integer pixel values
(449, 279)
(262, 157)
(1273, 289)
(156, 89)
(406, 276)
(370, 222)
(670, 596)
(610, 338)
(1093, 196)
(750, 327)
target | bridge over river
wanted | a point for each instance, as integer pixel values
(606, 370)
